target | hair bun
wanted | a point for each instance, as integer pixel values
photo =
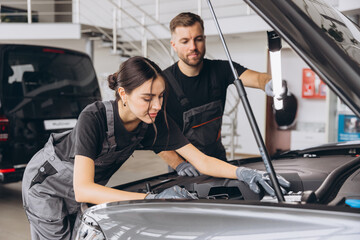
(112, 81)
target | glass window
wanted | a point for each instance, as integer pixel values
(37, 79)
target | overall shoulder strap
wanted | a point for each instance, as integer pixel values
(215, 86)
(109, 143)
(180, 95)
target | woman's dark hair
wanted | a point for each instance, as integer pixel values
(133, 73)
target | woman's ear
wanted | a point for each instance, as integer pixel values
(122, 94)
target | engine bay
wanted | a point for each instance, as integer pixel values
(306, 174)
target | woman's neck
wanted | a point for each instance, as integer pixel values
(127, 117)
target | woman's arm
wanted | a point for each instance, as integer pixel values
(86, 190)
(206, 164)
(217, 168)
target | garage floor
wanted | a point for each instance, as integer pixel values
(13, 222)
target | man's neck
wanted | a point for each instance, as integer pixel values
(190, 71)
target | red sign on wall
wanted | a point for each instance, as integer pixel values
(312, 85)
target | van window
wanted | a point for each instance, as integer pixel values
(47, 73)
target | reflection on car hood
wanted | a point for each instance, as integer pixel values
(350, 147)
(326, 40)
(216, 220)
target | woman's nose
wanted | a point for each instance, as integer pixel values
(157, 104)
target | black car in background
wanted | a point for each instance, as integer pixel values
(323, 201)
(42, 90)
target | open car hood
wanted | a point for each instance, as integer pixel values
(315, 32)
(218, 220)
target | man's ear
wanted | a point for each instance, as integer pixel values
(122, 94)
(172, 42)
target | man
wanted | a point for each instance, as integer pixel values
(198, 87)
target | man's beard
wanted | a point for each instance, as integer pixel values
(193, 64)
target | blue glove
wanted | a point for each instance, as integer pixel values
(253, 177)
(186, 169)
(174, 192)
(270, 92)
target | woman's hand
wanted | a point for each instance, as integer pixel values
(253, 178)
(174, 192)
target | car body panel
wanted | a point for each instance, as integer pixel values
(170, 219)
(227, 209)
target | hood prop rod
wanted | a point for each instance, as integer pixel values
(254, 126)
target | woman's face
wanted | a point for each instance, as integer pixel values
(146, 101)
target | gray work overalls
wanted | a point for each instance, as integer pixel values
(202, 124)
(47, 187)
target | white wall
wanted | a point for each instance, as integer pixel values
(105, 63)
(309, 110)
(249, 51)
(97, 13)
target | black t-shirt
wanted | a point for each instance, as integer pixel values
(198, 89)
(88, 135)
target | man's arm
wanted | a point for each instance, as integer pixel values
(176, 162)
(254, 79)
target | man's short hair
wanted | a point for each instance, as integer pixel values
(185, 19)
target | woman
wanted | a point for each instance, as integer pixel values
(74, 166)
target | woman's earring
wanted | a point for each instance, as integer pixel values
(124, 104)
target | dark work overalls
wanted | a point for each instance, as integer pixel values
(47, 187)
(202, 124)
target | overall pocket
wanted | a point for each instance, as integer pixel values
(202, 125)
(205, 133)
(44, 197)
(45, 170)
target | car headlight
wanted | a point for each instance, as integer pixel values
(89, 230)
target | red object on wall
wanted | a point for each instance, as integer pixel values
(312, 85)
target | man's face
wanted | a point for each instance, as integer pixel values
(189, 44)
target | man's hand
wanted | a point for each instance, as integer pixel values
(186, 169)
(174, 192)
(253, 177)
(171, 158)
(270, 92)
